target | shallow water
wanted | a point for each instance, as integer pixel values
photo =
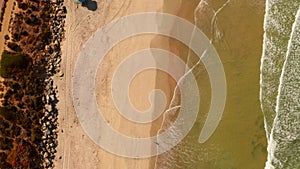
(239, 141)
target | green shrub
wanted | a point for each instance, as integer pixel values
(6, 144)
(10, 113)
(13, 63)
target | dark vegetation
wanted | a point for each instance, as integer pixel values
(14, 64)
(23, 69)
(22, 106)
(13, 46)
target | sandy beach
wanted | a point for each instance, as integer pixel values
(80, 25)
(241, 128)
(235, 28)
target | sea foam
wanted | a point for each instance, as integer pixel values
(284, 144)
(279, 18)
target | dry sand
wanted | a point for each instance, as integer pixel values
(1, 4)
(75, 149)
(5, 23)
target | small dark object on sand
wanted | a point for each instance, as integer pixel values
(90, 5)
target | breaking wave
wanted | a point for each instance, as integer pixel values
(279, 18)
(280, 83)
(284, 144)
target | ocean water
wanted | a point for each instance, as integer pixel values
(235, 28)
(259, 45)
(284, 143)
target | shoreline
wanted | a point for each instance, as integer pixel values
(181, 9)
(241, 129)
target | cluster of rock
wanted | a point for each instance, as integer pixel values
(53, 50)
(49, 124)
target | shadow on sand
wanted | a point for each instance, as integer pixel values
(90, 5)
